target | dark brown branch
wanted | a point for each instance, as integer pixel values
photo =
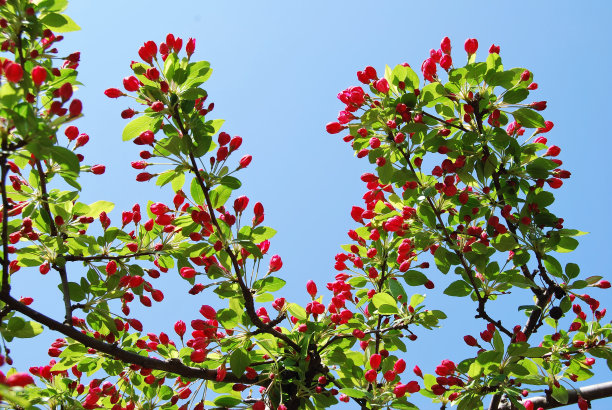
(5, 211)
(246, 292)
(481, 300)
(73, 258)
(174, 366)
(61, 269)
(592, 392)
(450, 124)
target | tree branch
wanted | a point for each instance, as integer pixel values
(592, 392)
(53, 232)
(174, 366)
(73, 258)
(246, 292)
(481, 300)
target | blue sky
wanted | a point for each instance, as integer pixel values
(277, 69)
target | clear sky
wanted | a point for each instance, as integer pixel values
(278, 66)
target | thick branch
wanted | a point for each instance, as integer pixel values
(593, 392)
(174, 366)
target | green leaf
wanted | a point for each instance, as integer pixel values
(432, 91)
(239, 360)
(228, 318)
(572, 270)
(516, 95)
(441, 258)
(66, 159)
(261, 233)
(517, 349)
(566, 244)
(415, 278)
(98, 207)
(560, 394)
(59, 23)
(397, 290)
(220, 195)
(28, 330)
(355, 393)
(227, 401)
(170, 66)
(231, 182)
(528, 118)
(196, 192)
(385, 303)
(553, 266)
(458, 288)
(427, 215)
(297, 311)
(505, 242)
(138, 125)
(269, 284)
(498, 342)
(75, 290)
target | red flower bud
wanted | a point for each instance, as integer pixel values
(131, 83)
(75, 108)
(311, 288)
(98, 169)
(275, 263)
(445, 45)
(113, 93)
(245, 161)
(370, 376)
(334, 127)
(180, 328)
(538, 105)
(39, 75)
(190, 47)
(375, 361)
(13, 73)
(187, 272)
(471, 45)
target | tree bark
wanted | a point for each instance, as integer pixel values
(593, 392)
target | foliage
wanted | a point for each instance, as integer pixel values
(482, 214)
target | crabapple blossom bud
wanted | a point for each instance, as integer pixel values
(245, 161)
(494, 49)
(98, 169)
(208, 312)
(131, 83)
(370, 376)
(311, 288)
(275, 263)
(399, 366)
(113, 93)
(190, 47)
(39, 75)
(75, 108)
(180, 328)
(375, 361)
(446, 62)
(382, 85)
(553, 151)
(445, 45)
(471, 45)
(13, 73)
(538, 105)
(187, 272)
